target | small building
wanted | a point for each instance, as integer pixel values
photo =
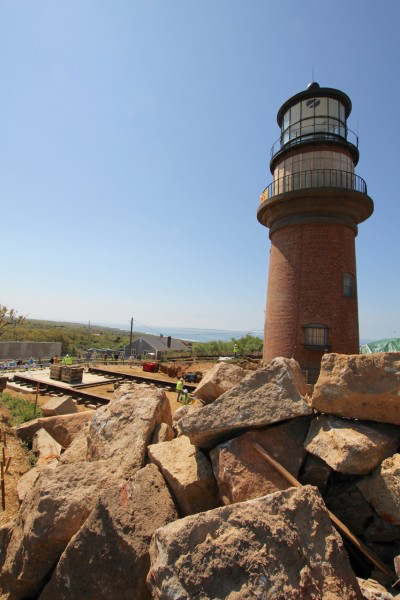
(154, 346)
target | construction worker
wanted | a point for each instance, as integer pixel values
(179, 388)
(67, 360)
(235, 350)
(185, 397)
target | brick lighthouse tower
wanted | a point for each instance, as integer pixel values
(312, 209)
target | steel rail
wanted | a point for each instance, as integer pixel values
(75, 392)
(140, 379)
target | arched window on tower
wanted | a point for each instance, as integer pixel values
(316, 334)
(348, 285)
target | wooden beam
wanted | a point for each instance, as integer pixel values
(344, 530)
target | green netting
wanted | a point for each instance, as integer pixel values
(387, 345)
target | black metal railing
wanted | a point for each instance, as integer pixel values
(299, 136)
(324, 178)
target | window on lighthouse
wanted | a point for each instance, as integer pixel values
(348, 285)
(316, 335)
(319, 115)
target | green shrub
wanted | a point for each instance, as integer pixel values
(21, 410)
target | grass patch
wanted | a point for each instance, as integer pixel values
(20, 410)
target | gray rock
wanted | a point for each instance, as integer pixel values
(372, 590)
(63, 428)
(188, 474)
(109, 557)
(243, 474)
(270, 395)
(59, 406)
(279, 546)
(353, 447)
(360, 386)
(122, 430)
(382, 489)
(51, 513)
(219, 379)
(45, 447)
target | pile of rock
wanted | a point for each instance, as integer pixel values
(130, 511)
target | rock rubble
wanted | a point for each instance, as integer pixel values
(126, 510)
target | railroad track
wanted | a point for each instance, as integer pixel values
(76, 392)
(91, 399)
(171, 385)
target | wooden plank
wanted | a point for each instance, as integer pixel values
(344, 530)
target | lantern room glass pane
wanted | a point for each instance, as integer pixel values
(321, 107)
(321, 124)
(333, 107)
(342, 113)
(295, 114)
(307, 126)
(307, 108)
(286, 120)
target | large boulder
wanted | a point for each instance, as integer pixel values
(382, 489)
(180, 412)
(360, 386)
(5, 536)
(122, 430)
(52, 512)
(279, 546)
(219, 379)
(45, 447)
(109, 556)
(263, 397)
(373, 590)
(243, 474)
(59, 406)
(27, 480)
(353, 447)
(63, 428)
(77, 450)
(188, 474)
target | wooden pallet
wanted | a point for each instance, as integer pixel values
(72, 375)
(55, 372)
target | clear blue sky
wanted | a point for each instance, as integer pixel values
(134, 145)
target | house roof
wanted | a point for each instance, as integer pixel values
(160, 343)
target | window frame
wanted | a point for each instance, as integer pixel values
(351, 287)
(311, 339)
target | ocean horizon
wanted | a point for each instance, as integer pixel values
(190, 334)
(197, 334)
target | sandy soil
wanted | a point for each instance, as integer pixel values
(201, 366)
(19, 465)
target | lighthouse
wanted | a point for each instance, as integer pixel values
(313, 208)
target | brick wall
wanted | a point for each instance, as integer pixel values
(305, 285)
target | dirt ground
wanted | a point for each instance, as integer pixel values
(19, 465)
(137, 370)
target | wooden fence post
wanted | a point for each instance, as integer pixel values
(3, 487)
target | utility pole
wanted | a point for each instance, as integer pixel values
(130, 339)
(89, 336)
